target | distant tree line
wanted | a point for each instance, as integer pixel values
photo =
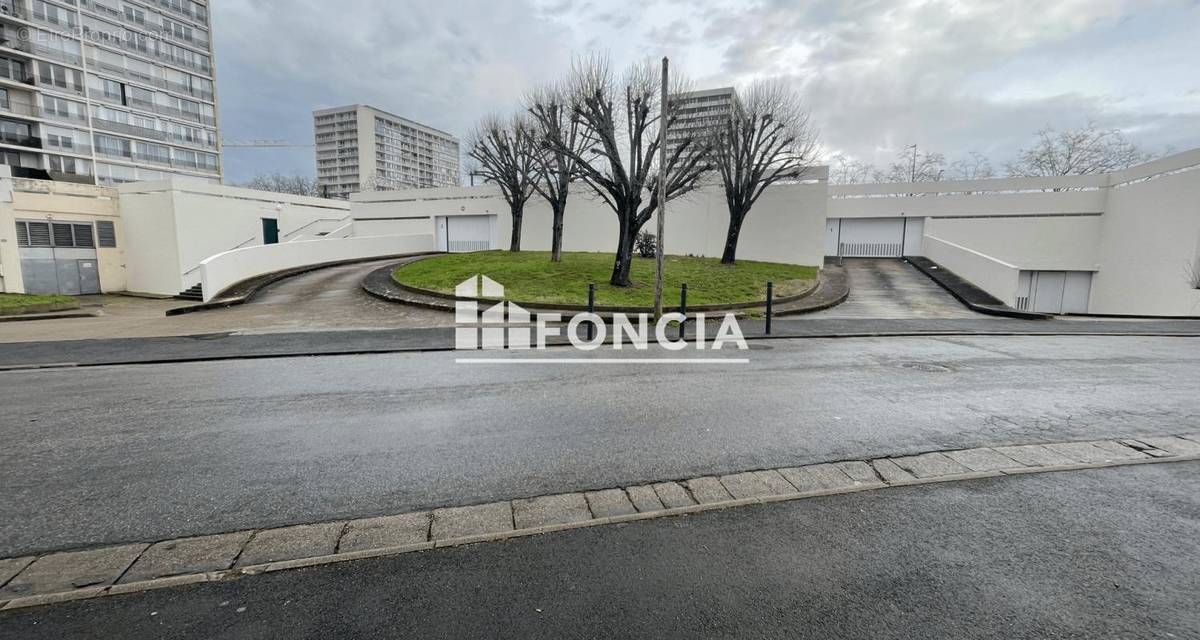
(1084, 151)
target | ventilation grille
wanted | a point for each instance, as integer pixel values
(872, 249)
(39, 234)
(106, 234)
(463, 246)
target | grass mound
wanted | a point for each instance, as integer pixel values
(530, 276)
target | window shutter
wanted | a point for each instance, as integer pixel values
(22, 235)
(39, 234)
(106, 234)
(62, 235)
(83, 235)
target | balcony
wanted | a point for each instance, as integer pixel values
(77, 149)
(129, 129)
(21, 141)
(32, 173)
(20, 109)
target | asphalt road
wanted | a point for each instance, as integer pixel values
(111, 454)
(1110, 553)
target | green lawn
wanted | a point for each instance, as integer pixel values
(14, 303)
(530, 276)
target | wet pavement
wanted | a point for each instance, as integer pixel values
(891, 288)
(325, 299)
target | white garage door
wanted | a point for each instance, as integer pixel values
(460, 234)
(1054, 291)
(866, 237)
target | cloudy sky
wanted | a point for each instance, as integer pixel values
(878, 75)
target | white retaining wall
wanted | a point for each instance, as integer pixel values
(784, 226)
(174, 224)
(225, 269)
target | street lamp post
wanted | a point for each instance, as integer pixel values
(662, 193)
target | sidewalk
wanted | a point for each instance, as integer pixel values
(221, 346)
(145, 565)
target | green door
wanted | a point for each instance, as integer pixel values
(270, 231)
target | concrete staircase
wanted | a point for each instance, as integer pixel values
(195, 292)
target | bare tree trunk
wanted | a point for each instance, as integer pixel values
(518, 214)
(556, 237)
(624, 258)
(731, 238)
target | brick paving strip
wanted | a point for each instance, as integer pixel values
(129, 568)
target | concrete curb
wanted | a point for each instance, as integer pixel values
(779, 334)
(968, 294)
(386, 287)
(1101, 453)
(246, 290)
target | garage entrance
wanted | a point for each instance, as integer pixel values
(1054, 291)
(462, 234)
(58, 258)
(873, 237)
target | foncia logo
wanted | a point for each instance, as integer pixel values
(503, 325)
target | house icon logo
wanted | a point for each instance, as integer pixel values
(502, 325)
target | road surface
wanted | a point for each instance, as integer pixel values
(1109, 553)
(109, 454)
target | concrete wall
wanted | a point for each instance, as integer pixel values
(1051, 243)
(22, 199)
(994, 276)
(992, 197)
(1138, 230)
(180, 222)
(221, 271)
(786, 225)
(1149, 241)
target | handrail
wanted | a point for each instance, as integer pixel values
(237, 246)
(305, 226)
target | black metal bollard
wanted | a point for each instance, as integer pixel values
(683, 310)
(591, 328)
(770, 304)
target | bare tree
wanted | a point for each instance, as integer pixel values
(975, 166)
(504, 149)
(845, 170)
(621, 118)
(766, 139)
(560, 138)
(1079, 152)
(913, 165)
(279, 183)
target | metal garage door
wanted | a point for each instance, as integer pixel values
(58, 257)
(1054, 291)
(867, 237)
(460, 234)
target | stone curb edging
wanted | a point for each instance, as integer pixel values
(244, 291)
(562, 512)
(37, 309)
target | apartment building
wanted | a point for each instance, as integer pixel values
(361, 148)
(699, 109)
(107, 91)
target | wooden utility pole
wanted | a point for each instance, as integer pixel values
(662, 193)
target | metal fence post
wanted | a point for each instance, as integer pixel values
(770, 304)
(591, 329)
(683, 309)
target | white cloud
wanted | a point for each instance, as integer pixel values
(950, 75)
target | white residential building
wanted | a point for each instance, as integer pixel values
(107, 91)
(698, 110)
(361, 148)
